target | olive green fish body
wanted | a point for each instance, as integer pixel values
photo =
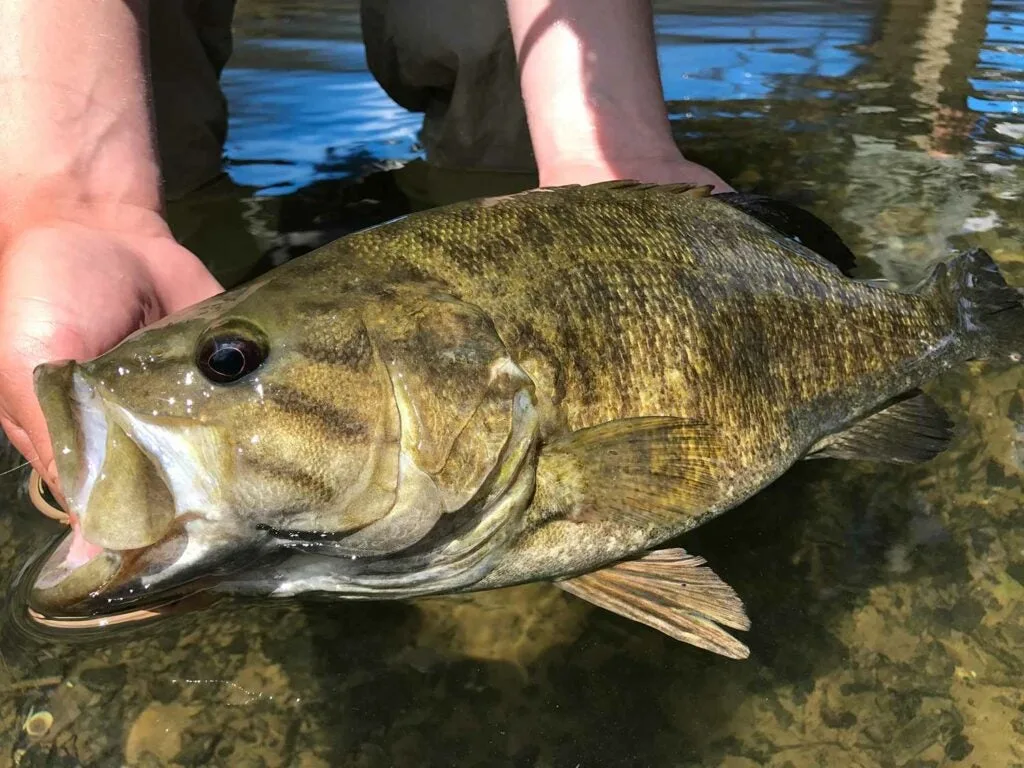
(625, 302)
(533, 387)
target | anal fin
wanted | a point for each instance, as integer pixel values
(911, 430)
(671, 591)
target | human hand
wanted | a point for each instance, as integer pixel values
(73, 291)
(671, 169)
(85, 255)
(604, 116)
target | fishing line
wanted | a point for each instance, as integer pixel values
(14, 469)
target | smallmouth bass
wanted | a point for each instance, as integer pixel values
(543, 386)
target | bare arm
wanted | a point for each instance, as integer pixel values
(593, 95)
(85, 255)
(75, 134)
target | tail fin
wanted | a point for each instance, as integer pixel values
(986, 306)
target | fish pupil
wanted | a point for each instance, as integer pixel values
(228, 361)
(224, 359)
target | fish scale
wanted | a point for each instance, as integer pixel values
(609, 379)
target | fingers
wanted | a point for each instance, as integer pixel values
(26, 429)
(27, 339)
(71, 292)
(21, 416)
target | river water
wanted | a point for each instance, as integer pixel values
(888, 620)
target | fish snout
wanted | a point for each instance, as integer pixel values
(118, 501)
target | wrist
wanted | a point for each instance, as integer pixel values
(47, 208)
(578, 167)
(661, 168)
(599, 136)
(101, 175)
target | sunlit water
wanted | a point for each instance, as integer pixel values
(888, 622)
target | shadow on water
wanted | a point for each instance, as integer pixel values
(886, 602)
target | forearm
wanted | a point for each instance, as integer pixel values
(590, 82)
(76, 134)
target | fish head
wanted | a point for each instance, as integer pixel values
(268, 418)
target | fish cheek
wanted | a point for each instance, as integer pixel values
(365, 466)
(319, 451)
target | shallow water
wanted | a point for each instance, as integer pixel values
(888, 621)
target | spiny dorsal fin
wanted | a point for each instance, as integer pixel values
(650, 470)
(911, 430)
(630, 185)
(670, 591)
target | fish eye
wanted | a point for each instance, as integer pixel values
(229, 354)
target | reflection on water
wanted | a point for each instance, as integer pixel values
(998, 85)
(887, 607)
(744, 50)
(301, 98)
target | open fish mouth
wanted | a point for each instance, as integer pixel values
(100, 591)
(56, 624)
(110, 587)
(128, 549)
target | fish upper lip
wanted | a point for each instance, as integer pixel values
(93, 425)
(79, 423)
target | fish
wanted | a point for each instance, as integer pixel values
(553, 385)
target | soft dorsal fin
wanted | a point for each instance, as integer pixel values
(796, 224)
(669, 590)
(911, 430)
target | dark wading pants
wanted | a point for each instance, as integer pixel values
(452, 60)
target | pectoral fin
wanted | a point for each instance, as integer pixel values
(913, 429)
(642, 471)
(670, 591)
